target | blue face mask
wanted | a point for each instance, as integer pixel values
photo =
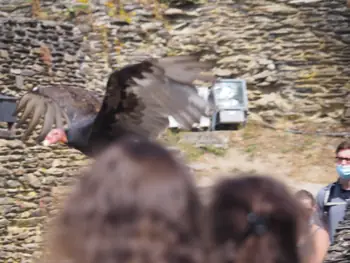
(343, 171)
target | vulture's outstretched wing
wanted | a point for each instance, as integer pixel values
(140, 97)
(59, 105)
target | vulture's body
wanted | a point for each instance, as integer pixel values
(138, 100)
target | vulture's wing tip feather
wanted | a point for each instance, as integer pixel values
(56, 104)
(195, 107)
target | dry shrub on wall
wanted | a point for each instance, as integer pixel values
(46, 57)
(35, 8)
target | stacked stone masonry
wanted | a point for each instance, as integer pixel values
(22, 50)
(294, 54)
(30, 174)
(31, 179)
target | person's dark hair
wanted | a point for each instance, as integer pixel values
(254, 218)
(136, 204)
(304, 194)
(343, 146)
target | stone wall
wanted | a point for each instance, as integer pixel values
(294, 54)
(37, 52)
(30, 175)
(30, 180)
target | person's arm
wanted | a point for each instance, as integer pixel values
(320, 246)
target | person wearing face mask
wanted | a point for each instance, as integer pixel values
(314, 242)
(331, 200)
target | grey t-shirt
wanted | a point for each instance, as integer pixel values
(336, 203)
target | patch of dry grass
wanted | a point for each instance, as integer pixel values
(307, 158)
(303, 152)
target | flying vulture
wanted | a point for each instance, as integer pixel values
(138, 100)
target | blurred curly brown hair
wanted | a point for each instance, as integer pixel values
(234, 239)
(136, 204)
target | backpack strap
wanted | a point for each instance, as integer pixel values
(322, 200)
(327, 197)
(332, 191)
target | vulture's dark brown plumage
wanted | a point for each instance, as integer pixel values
(138, 100)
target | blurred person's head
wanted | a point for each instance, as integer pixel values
(254, 219)
(136, 204)
(343, 160)
(308, 202)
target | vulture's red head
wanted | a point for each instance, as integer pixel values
(55, 136)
